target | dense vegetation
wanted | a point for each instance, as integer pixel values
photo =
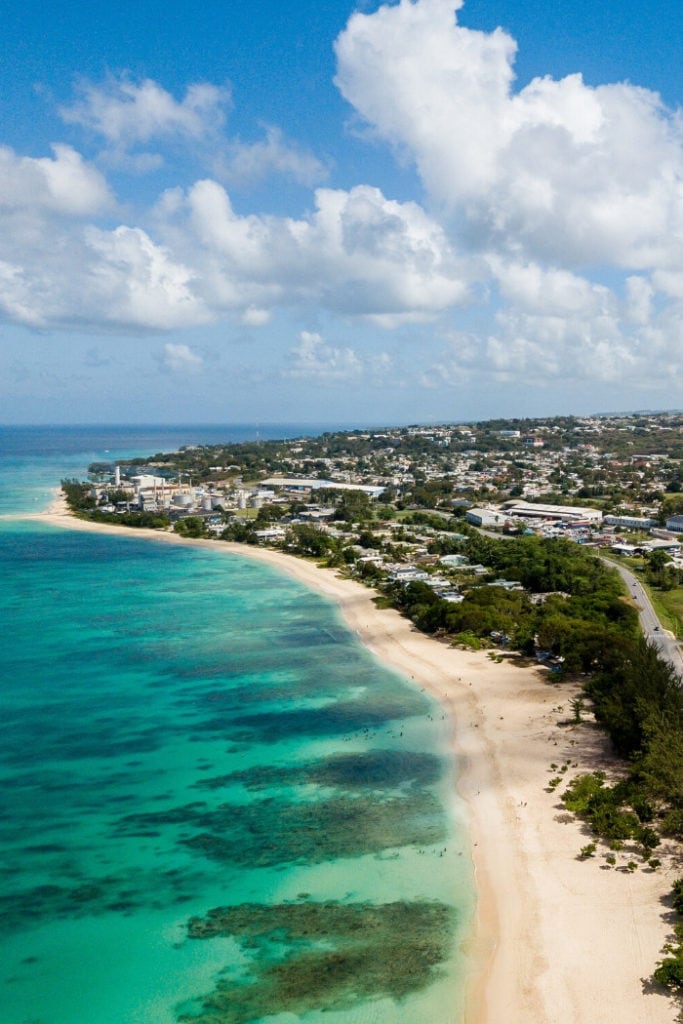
(580, 617)
(669, 971)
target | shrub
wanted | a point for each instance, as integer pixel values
(467, 639)
(648, 838)
(669, 971)
(677, 890)
(581, 791)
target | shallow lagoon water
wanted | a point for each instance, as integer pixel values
(187, 732)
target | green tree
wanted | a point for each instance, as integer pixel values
(193, 527)
(309, 540)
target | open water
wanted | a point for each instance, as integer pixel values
(215, 806)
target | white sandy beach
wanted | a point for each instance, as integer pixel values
(556, 940)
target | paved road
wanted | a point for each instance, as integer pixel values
(666, 643)
(668, 646)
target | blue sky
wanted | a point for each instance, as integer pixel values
(325, 213)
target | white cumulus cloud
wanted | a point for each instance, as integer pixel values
(540, 183)
(557, 170)
(64, 183)
(313, 359)
(57, 275)
(546, 244)
(126, 112)
(548, 290)
(181, 359)
(131, 116)
(254, 317)
(358, 253)
(244, 163)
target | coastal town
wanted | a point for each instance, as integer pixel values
(393, 503)
(630, 464)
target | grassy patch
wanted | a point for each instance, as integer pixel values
(669, 607)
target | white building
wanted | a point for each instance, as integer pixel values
(307, 484)
(451, 560)
(271, 533)
(146, 482)
(630, 522)
(408, 574)
(486, 517)
(565, 513)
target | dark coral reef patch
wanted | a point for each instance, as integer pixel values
(322, 956)
(371, 770)
(276, 831)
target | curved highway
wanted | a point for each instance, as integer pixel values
(668, 647)
(666, 643)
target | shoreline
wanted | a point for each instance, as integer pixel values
(555, 940)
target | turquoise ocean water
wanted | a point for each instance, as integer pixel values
(215, 805)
